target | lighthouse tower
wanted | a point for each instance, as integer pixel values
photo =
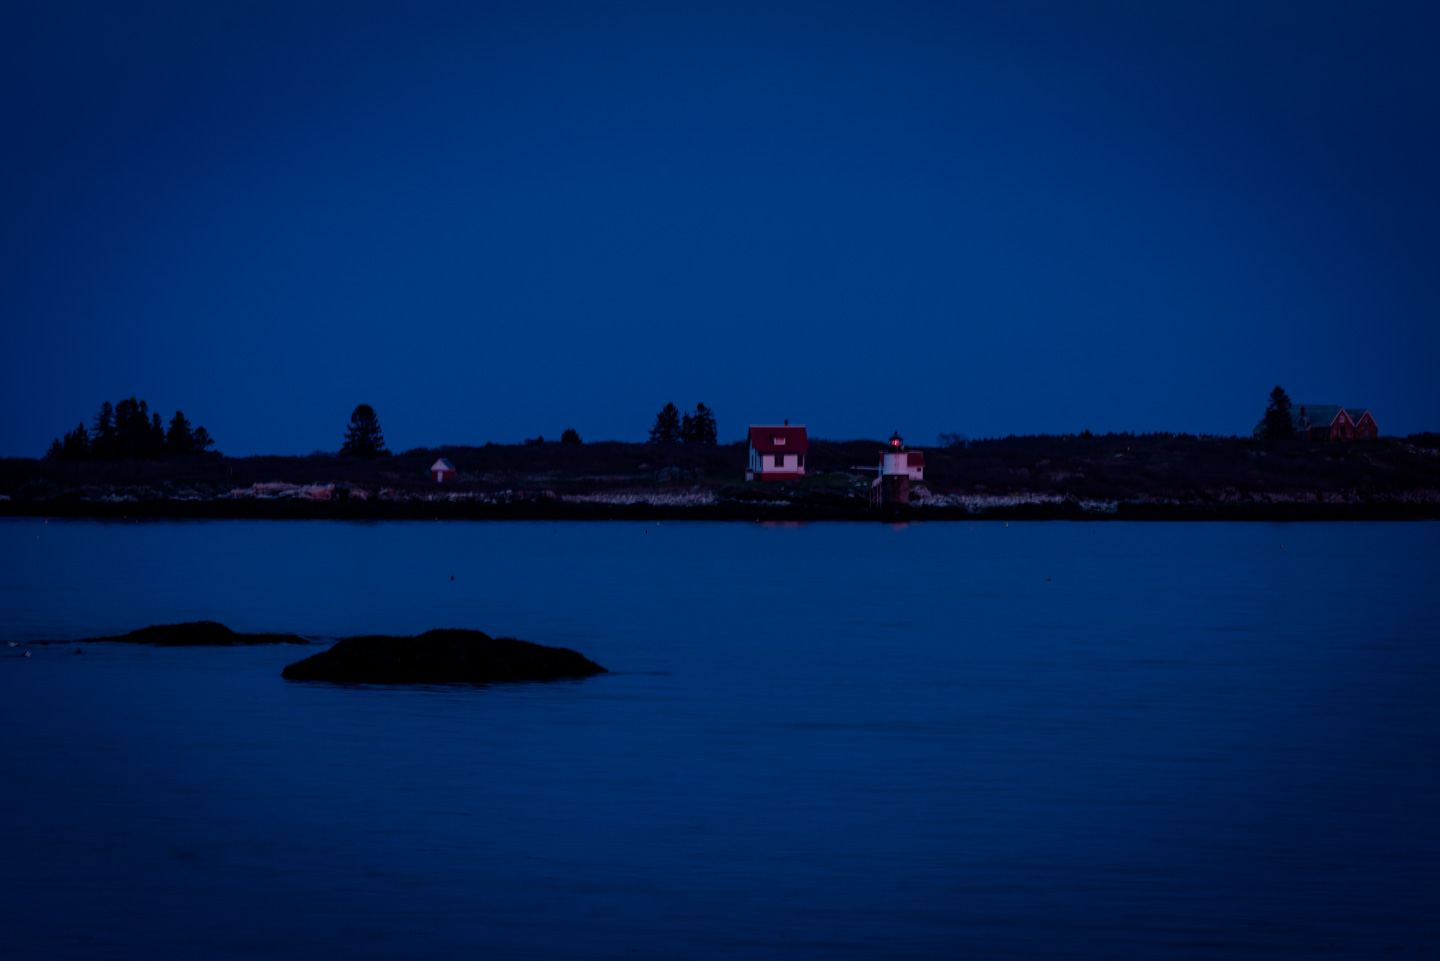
(890, 491)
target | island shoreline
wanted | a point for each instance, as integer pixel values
(758, 511)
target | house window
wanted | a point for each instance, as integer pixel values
(799, 461)
(779, 461)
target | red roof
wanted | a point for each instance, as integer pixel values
(778, 440)
(914, 458)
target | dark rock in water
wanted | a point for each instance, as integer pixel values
(198, 634)
(440, 656)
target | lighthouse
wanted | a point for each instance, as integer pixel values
(890, 491)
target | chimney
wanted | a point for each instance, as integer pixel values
(787, 422)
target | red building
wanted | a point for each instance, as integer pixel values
(1329, 422)
(777, 453)
(1365, 426)
(442, 470)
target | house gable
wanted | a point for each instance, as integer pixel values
(777, 452)
(768, 439)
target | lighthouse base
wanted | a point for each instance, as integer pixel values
(891, 495)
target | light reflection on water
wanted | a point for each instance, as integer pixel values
(831, 740)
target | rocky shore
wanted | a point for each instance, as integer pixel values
(1114, 477)
(794, 506)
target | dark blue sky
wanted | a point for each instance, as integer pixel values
(496, 222)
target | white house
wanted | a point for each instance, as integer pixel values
(442, 470)
(777, 453)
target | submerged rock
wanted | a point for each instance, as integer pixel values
(440, 656)
(198, 634)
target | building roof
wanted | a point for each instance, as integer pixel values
(769, 439)
(915, 458)
(1320, 415)
(1357, 412)
(442, 464)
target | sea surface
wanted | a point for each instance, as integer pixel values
(829, 741)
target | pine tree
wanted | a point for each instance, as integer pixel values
(132, 429)
(200, 441)
(77, 444)
(124, 443)
(179, 439)
(102, 442)
(1277, 424)
(569, 436)
(667, 426)
(687, 429)
(155, 439)
(703, 426)
(363, 437)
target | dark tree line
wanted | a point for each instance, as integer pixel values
(128, 430)
(671, 427)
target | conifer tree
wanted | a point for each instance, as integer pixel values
(1277, 424)
(77, 444)
(667, 426)
(132, 429)
(702, 426)
(569, 436)
(155, 439)
(102, 443)
(363, 437)
(200, 441)
(179, 439)
(125, 413)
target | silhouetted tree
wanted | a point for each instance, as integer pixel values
(75, 446)
(699, 428)
(363, 437)
(667, 426)
(102, 442)
(1277, 424)
(133, 430)
(179, 439)
(569, 436)
(155, 442)
(200, 441)
(77, 443)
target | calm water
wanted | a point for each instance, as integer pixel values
(823, 741)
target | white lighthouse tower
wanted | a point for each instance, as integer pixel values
(890, 491)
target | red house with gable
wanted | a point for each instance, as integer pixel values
(777, 453)
(1365, 426)
(1330, 422)
(442, 470)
